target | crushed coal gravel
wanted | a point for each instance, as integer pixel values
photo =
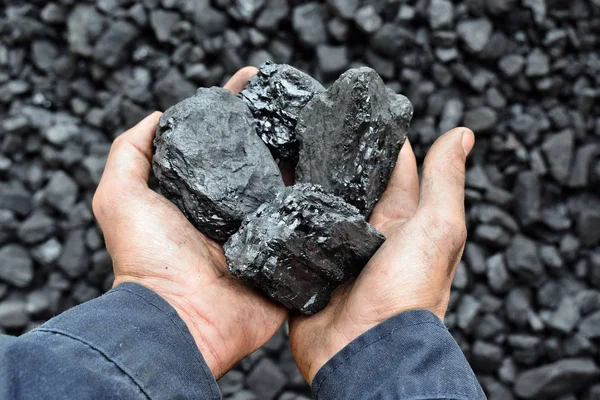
(525, 75)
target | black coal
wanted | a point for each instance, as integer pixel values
(523, 74)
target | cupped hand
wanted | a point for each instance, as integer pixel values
(153, 244)
(425, 229)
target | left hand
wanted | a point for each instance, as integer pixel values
(153, 244)
(425, 229)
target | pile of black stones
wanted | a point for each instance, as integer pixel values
(523, 74)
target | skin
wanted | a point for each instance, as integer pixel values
(153, 244)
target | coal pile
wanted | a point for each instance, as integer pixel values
(523, 74)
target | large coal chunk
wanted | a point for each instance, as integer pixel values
(350, 137)
(276, 95)
(301, 246)
(210, 162)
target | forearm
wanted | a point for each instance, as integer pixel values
(128, 343)
(410, 356)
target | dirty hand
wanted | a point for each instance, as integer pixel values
(425, 229)
(153, 244)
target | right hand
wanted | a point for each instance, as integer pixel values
(426, 233)
(152, 243)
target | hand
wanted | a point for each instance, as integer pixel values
(413, 269)
(153, 244)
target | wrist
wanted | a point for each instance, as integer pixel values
(200, 334)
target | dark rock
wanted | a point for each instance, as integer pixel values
(577, 345)
(54, 13)
(344, 8)
(486, 357)
(275, 96)
(56, 280)
(211, 164)
(527, 195)
(390, 39)
(272, 14)
(111, 49)
(511, 64)
(245, 10)
(467, 312)
(243, 395)
(526, 349)
(517, 306)
(589, 327)
(273, 251)
(172, 88)
(440, 14)
(461, 277)
(558, 378)
(36, 228)
(163, 24)
(579, 177)
(475, 33)
(475, 256)
(481, 120)
(566, 317)
(74, 259)
(16, 266)
(452, 114)
(38, 301)
(266, 380)
(522, 258)
(538, 63)
(15, 197)
(332, 59)
(232, 382)
(44, 54)
(497, 275)
(47, 252)
(60, 134)
(491, 235)
(551, 257)
(350, 137)
(489, 326)
(308, 20)
(13, 313)
(61, 192)
(85, 25)
(83, 292)
(495, 390)
(588, 227)
(558, 150)
(367, 19)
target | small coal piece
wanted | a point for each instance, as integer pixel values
(301, 246)
(350, 137)
(275, 96)
(210, 162)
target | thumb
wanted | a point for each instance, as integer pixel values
(443, 183)
(128, 166)
(130, 157)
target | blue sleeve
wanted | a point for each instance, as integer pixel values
(409, 356)
(127, 344)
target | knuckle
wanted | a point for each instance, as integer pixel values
(98, 204)
(448, 229)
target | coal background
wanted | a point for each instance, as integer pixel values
(523, 74)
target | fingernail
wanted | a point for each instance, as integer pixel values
(468, 140)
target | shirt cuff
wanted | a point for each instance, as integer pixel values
(144, 336)
(410, 356)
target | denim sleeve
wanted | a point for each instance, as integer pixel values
(127, 344)
(409, 356)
